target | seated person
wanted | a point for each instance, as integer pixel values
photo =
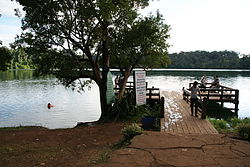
(215, 83)
(203, 82)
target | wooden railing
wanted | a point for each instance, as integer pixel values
(221, 94)
(152, 96)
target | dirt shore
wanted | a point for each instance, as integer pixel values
(81, 146)
(90, 146)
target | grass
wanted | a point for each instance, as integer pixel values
(20, 127)
(103, 157)
(237, 126)
(128, 133)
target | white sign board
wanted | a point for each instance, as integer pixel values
(140, 87)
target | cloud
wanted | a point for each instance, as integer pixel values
(7, 7)
(9, 23)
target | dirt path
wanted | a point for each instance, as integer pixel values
(90, 146)
(172, 150)
(81, 146)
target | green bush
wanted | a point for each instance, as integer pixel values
(246, 121)
(130, 131)
(240, 126)
(244, 131)
(234, 122)
(125, 109)
(220, 125)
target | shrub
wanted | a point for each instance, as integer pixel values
(244, 131)
(246, 121)
(234, 122)
(220, 125)
(130, 131)
(125, 109)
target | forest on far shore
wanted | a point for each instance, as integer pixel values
(19, 59)
(209, 60)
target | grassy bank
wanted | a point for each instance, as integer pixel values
(239, 127)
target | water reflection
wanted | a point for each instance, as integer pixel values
(24, 96)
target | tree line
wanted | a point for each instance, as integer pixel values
(15, 59)
(213, 60)
(18, 58)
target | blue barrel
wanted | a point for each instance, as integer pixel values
(148, 122)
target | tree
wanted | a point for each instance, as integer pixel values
(203, 59)
(245, 62)
(142, 45)
(75, 39)
(5, 58)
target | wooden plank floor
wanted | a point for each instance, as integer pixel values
(178, 119)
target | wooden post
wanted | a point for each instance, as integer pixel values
(221, 97)
(183, 93)
(162, 107)
(236, 102)
(150, 94)
(204, 108)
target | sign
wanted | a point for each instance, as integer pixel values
(140, 87)
(110, 89)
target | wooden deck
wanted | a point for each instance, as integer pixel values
(222, 94)
(177, 118)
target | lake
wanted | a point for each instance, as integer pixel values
(24, 96)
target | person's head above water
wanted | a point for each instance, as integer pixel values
(49, 105)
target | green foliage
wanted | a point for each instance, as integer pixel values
(15, 58)
(220, 125)
(245, 62)
(103, 157)
(125, 109)
(236, 125)
(78, 39)
(130, 131)
(5, 58)
(143, 44)
(234, 122)
(204, 59)
(244, 131)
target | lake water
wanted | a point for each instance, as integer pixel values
(24, 97)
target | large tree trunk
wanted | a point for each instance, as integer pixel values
(123, 85)
(103, 100)
(103, 82)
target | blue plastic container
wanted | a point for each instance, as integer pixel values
(148, 122)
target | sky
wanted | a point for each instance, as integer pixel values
(210, 25)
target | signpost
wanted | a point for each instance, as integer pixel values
(140, 87)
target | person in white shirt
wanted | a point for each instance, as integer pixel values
(194, 98)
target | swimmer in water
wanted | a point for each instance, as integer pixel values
(49, 106)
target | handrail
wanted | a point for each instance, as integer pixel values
(220, 86)
(223, 94)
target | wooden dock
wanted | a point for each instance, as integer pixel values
(178, 119)
(221, 95)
